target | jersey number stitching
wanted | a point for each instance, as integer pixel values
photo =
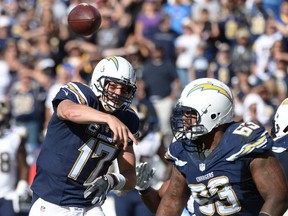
(227, 201)
(97, 149)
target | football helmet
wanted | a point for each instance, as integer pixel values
(204, 104)
(118, 70)
(280, 122)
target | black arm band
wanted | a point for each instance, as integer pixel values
(264, 214)
(146, 191)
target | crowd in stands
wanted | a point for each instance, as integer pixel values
(243, 43)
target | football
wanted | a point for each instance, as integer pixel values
(84, 19)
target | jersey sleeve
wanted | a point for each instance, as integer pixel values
(74, 91)
(253, 139)
(174, 153)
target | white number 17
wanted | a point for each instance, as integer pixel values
(93, 148)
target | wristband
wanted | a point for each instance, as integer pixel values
(264, 214)
(143, 192)
(119, 179)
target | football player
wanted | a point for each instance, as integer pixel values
(279, 133)
(228, 167)
(13, 166)
(90, 127)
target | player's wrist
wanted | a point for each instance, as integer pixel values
(264, 214)
(118, 181)
(145, 191)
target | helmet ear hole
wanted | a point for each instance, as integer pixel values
(213, 116)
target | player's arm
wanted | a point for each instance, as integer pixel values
(126, 163)
(176, 196)
(22, 187)
(22, 163)
(271, 183)
(81, 114)
(152, 197)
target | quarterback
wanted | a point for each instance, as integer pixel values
(90, 127)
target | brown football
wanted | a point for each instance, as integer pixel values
(84, 19)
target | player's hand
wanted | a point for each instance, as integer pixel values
(144, 174)
(101, 185)
(20, 197)
(122, 134)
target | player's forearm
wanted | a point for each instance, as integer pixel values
(275, 207)
(67, 110)
(22, 164)
(130, 181)
(126, 164)
(151, 198)
(169, 207)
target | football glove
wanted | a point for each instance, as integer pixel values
(21, 195)
(101, 186)
(144, 174)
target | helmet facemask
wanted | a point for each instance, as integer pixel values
(183, 124)
(111, 100)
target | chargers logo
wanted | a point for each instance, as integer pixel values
(285, 102)
(210, 86)
(115, 61)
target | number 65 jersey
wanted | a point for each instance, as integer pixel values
(221, 184)
(76, 153)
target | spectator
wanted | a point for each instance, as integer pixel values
(165, 37)
(209, 32)
(262, 50)
(257, 19)
(147, 21)
(200, 63)
(241, 52)
(255, 110)
(221, 67)
(5, 25)
(178, 11)
(5, 77)
(186, 46)
(281, 22)
(231, 18)
(158, 70)
(27, 99)
(212, 8)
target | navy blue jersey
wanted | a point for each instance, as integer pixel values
(76, 153)
(280, 149)
(281, 144)
(221, 183)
